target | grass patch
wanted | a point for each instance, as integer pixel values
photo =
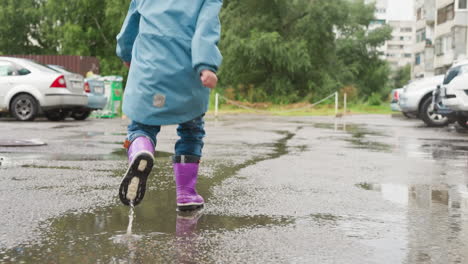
(297, 110)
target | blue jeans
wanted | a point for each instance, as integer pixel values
(191, 135)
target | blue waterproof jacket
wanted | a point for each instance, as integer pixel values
(169, 43)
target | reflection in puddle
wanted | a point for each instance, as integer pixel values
(435, 220)
(391, 192)
(4, 162)
(423, 196)
(361, 137)
(425, 148)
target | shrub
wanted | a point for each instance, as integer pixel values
(374, 99)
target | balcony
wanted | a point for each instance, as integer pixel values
(430, 12)
(430, 19)
(429, 43)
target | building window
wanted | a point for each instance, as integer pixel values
(377, 22)
(450, 12)
(462, 4)
(380, 10)
(406, 29)
(407, 55)
(417, 59)
(445, 14)
(438, 47)
(419, 15)
(421, 35)
(449, 42)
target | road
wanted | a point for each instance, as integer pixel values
(359, 189)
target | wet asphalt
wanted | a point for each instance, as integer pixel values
(359, 189)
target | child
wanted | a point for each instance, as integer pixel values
(171, 49)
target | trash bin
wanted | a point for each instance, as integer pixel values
(114, 91)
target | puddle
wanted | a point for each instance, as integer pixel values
(423, 196)
(92, 134)
(50, 167)
(361, 138)
(158, 232)
(64, 126)
(431, 222)
(446, 150)
(21, 143)
(4, 162)
(28, 160)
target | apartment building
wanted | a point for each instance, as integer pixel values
(441, 36)
(424, 38)
(381, 10)
(399, 49)
(451, 38)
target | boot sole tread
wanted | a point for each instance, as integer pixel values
(140, 167)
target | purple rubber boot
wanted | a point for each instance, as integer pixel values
(186, 173)
(140, 157)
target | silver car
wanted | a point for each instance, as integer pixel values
(416, 99)
(395, 103)
(93, 88)
(28, 89)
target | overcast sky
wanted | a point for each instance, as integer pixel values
(400, 10)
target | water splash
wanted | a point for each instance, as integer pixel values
(131, 217)
(128, 238)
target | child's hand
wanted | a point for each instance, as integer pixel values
(209, 79)
(126, 63)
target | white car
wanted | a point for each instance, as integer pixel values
(416, 99)
(395, 103)
(454, 91)
(28, 89)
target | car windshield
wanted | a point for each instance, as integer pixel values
(42, 67)
(58, 68)
(464, 69)
(455, 72)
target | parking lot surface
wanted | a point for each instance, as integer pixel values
(358, 189)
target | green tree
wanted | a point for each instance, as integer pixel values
(357, 48)
(286, 51)
(402, 76)
(274, 50)
(84, 27)
(19, 21)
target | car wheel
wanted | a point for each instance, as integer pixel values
(462, 121)
(24, 107)
(430, 117)
(81, 114)
(56, 115)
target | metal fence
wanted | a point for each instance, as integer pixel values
(77, 64)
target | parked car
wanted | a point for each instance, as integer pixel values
(395, 103)
(29, 89)
(416, 99)
(94, 89)
(452, 96)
